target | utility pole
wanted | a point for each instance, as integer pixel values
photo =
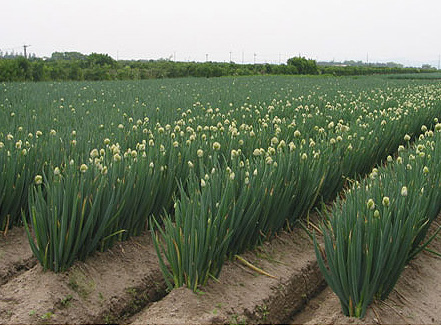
(230, 56)
(24, 48)
(242, 57)
(255, 57)
(367, 58)
(206, 57)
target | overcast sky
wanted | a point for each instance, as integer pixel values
(405, 31)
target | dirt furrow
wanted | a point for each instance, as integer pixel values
(112, 287)
(125, 285)
(104, 289)
(242, 295)
(15, 254)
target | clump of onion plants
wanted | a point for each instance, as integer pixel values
(195, 240)
(71, 214)
(382, 223)
(231, 209)
(15, 161)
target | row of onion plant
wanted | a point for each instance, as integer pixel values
(76, 208)
(64, 119)
(262, 195)
(159, 147)
(382, 223)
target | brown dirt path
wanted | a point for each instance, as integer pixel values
(124, 285)
(102, 290)
(109, 287)
(15, 254)
(242, 295)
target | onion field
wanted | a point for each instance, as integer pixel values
(210, 168)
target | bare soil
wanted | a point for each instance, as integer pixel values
(104, 289)
(242, 295)
(124, 285)
(15, 254)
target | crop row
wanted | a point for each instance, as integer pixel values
(382, 224)
(96, 163)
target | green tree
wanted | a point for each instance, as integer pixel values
(304, 66)
(98, 59)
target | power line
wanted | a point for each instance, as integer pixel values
(24, 49)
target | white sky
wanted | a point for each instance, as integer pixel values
(405, 31)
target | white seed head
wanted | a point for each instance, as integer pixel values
(216, 146)
(268, 160)
(117, 157)
(370, 204)
(38, 179)
(94, 153)
(404, 191)
(292, 147)
(83, 168)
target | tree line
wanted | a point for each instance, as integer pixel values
(75, 66)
